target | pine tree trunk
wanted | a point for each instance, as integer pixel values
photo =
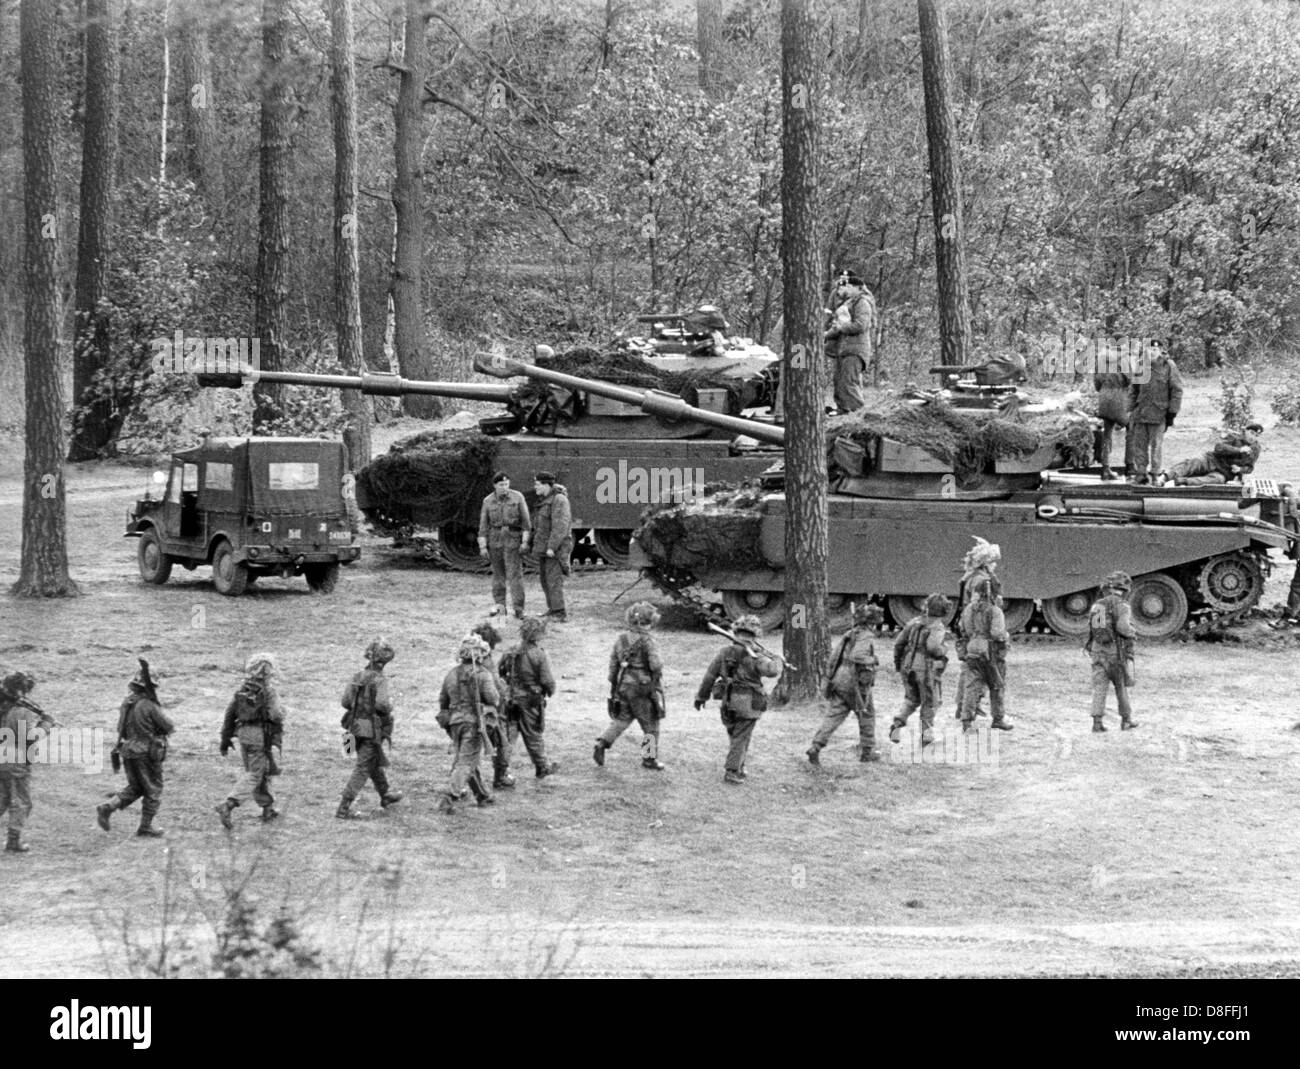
(43, 568)
(347, 267)
(708, 36)
(202, 151)
(408, 202)
(945, 185)
(271, 319)
(94, 426)
(807, 639)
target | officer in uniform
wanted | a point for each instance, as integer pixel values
(920, 657)
(849, 339)
(984, 630)
(468, 700)
(1110, 642)
(256, 718)
(20, 720)
(636, 687)
(369, 723)
(142, 730)
(525, 671)
(503, 532)
(852, 675)
(1153, 405)
(736, 677)
(552, 541)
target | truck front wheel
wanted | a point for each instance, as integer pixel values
(155, 565)
(229, 576)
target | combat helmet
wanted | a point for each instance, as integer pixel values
(867, 614)
(642, 615)
(532, 628)
(473, 648)
(938, 606)
(143, 681)
(16, 684)
(1120, 582)
(380, 651)
(750, 624)
(260, 665)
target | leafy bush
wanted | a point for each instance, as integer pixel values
(1286, 401)
(1236, 395)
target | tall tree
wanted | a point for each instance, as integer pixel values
(408, 203)
(94, 427)
(807, 637)
(43, 568)
(708, 37)
(271, 319)
(202, 151)
(945, 184)
(347, 264)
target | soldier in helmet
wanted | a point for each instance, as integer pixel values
(469, 698)
(525, 671)
(736, 677)
(984, 630)
(635, 687)
(921, 657)
(256, 718)
(852, 674)
(980, 565)
(142, 730)
(369, 722)
(1110, 642)
(497, 732)
(19, 722)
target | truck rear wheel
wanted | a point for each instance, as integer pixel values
(1159, 605)
(322, 578)
(155, 565)
(229, 576)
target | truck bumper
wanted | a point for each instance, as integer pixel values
(278, 556)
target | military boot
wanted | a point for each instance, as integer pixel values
(652, 763)
(1003, 725)
(598, 753)
(503, 781)
(1127, 724)
(896, 731)
(446, 804)
(868, 756)
(344, 811)
(146, 830)
(391, 798)
(223, 812)
(102, 813)
(15, 845)
(1097, 725)
(548, 769)
(269, 813)
(481, 794)
(813, 753)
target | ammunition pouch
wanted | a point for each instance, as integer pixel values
(115, 758)
(721, 686)
(362, 727)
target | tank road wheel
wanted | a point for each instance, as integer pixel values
(1068, 614)
(612, 545)
(1017, 612)
(228, 576)
(1231, 582)
(322, 578)
(459, 545)
(767, 605)
(1159, 605)
(155, 565)
(902, 607)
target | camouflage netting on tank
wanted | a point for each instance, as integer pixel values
(968, 442)
(628, 369)
(444, 474)
(718, 530)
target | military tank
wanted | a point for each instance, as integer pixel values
(613, 455)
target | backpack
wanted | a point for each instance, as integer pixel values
(509, 668)
(1101, 626)
(360, 719)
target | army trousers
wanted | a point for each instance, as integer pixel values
(551, 571)
(1293, 593)
(369, 766)
(16, 798)
(841, 706)
(526, 717)
(255, 781)
(978, 674)
(919, 693)
(508, 575)
(740, 729)
(144, 779)
(642, 710)
(848, 382)
(467, 742)
(1105, 674)
(1148, 446)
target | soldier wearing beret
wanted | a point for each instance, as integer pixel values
(552, 541)
(504, 528)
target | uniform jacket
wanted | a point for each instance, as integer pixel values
(851, 332)
(142, 728)
(856, 657)
(263, 724)
(380, 705)
(920, 646)
(1111, 613)
(1112, 396)
(982, 625)
(552, 525)
(746, 672)
(503, 522)
(10, 715)
(644, 665)
(1160, 395)
(456, 703)
(532, 672)
(1234, 451)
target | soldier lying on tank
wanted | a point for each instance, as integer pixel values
(736, 677)
(984, 629)
(468, 702)
(920, 657)
(1232, 457)
(636, 687)
(525, 671)
(142, 730)
(851, 678)
(256, 718)
(368, 720)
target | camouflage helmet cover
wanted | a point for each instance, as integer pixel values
(473, 648)
(642, 614)
(380, 651)
(260, 664)
(866, 613)
(488, 634)
(532, 628)
(937, 605)
(16, 684)
(1119, 581)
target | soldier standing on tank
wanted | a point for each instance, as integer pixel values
(256, 718)
(1110, 642)
(142, 730)
(468, 700)
(852, 676)
(636, 688)
(1153, 404)
(369, 723)
(983, 629)
(736, 677)
(849, 339)
(503, 533)
(525, 671)
(552, 541)
(921, 657)
(20, 720)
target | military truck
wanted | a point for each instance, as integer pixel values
(249, 507)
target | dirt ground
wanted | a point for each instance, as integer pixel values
(1170, 850)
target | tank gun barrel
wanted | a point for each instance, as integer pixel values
(667, 406)
(377, 383)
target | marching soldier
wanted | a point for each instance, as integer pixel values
(736, 677)
(497, 732)
(979, 565)
(503, 532)
(920, 657)
(852, 674)
(1110, 642)
(369, 723)
(469, 698)
(552, 541)
(526, 672)
(635, 687)
(256, 718)
(142, 730)
(20, 720)
(983, 629)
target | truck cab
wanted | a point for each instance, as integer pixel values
(249, 507)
